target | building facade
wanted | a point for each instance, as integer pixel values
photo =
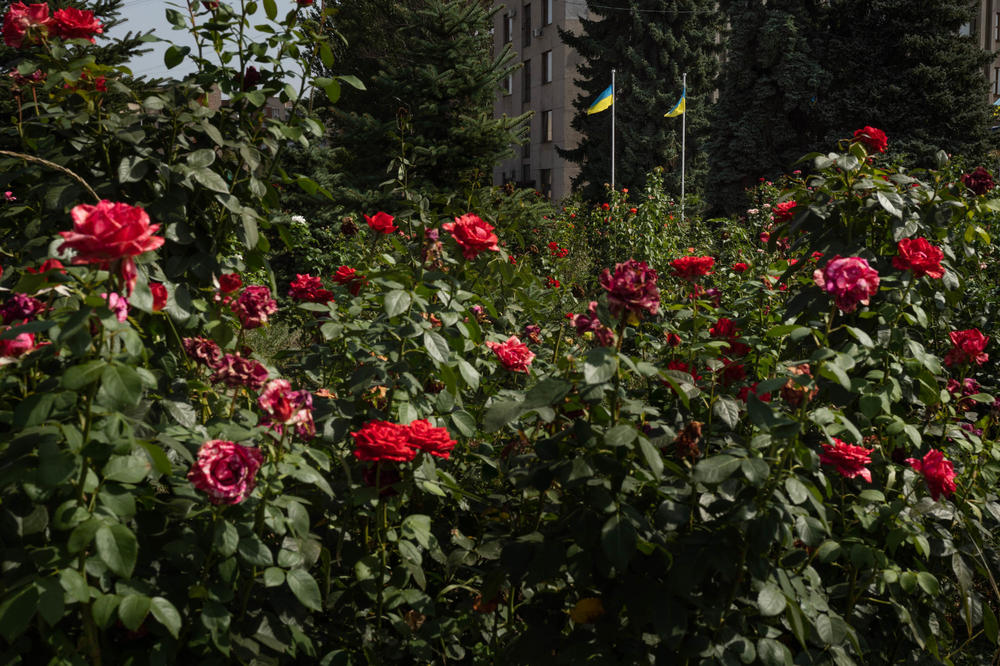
(544, 83)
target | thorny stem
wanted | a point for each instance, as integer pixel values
(53, 165)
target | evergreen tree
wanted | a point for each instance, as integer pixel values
(430, 79)
(650, 44)
(769, 112)
(903, 67)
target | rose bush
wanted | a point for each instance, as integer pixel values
(746, 473)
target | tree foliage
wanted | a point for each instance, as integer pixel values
(650, 44)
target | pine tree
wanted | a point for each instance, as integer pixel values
(903, 67)
(769, 112)
(650, 44)
(431, 79)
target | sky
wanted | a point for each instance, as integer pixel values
(150, 15)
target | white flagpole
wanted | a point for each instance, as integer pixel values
(683, 141)
(613, 100)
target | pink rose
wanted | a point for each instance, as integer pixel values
(967, 347)
(851, 281)
(848, 459)
(631, 288)
(234, 370)
(513, 354)
(26, 24)
(254, 306)
(118, 304)
(20, 307)
(473, 235)
(18, 346)
(203, 350)
(225, 471)
(939, 473)
(283, 406)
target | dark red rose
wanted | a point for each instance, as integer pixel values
(979, 181)
(631, 288)
(873, 139)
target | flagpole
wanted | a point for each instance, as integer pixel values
(683, 141)
(613, 100)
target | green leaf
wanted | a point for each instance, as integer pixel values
(17, 611)
(832, 371)
(270, 9)
(82, 535)
(469, 373)
(352, 81)
(121, 385)
(167, 615)
(79, 376)
(728, 411)
(326, 54)
(225, 538)
(773, 653)
(990, 625)
(117, 548)
(716, 469)
(133, 609)
(254, 551)
(652, 456)
(396, 302)
(797, 621)
(797, 491)
(464, 423)
(417, 527)
(436, 346)
(501, 413)
(771, 600)
(130, 468)
(104, 608)
(600, 366)
(618, 541)
(75, 586)
(305, 589)
(928, 583)
(891, 202)
(175, 54)
(332, 90)
(211, 180)
(273, 577)
(200, 158)
(621, 435)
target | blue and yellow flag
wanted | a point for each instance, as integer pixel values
(603, 101)
(679, 107)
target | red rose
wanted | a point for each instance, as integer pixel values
(382, 222)
(159, 295)
(473, 234)
(724, 328)
(920, 257)
(691, 268)
(979, 181)
(350, 278)
(309, 289)
(230, 282)
(513, 354)
(848, 459)
(681, 366)
(939, 473)
(873, 139)
(48, 265)
(15, 347)
(732, 372)
(432, 440)
(73, 23)
(109, 231)
(383, 440)
(304, 3)
(225, 471)
(784, 211)
(967, 347)
(26, 24)
(740, 267)
(673, 339)
(631, 288)
(254, 306)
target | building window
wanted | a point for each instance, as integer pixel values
(996, 27)
(546, 12)
(526, 26)
(545, 182)
(526, 149)
(546, 126)
(526, 175)
(508, 29)
(526, 79)
(547, 67)
(996, 80)
(508, 84)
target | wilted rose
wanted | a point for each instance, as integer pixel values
(225, 471)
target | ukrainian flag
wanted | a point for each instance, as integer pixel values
(603, 101)
(679, 107)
